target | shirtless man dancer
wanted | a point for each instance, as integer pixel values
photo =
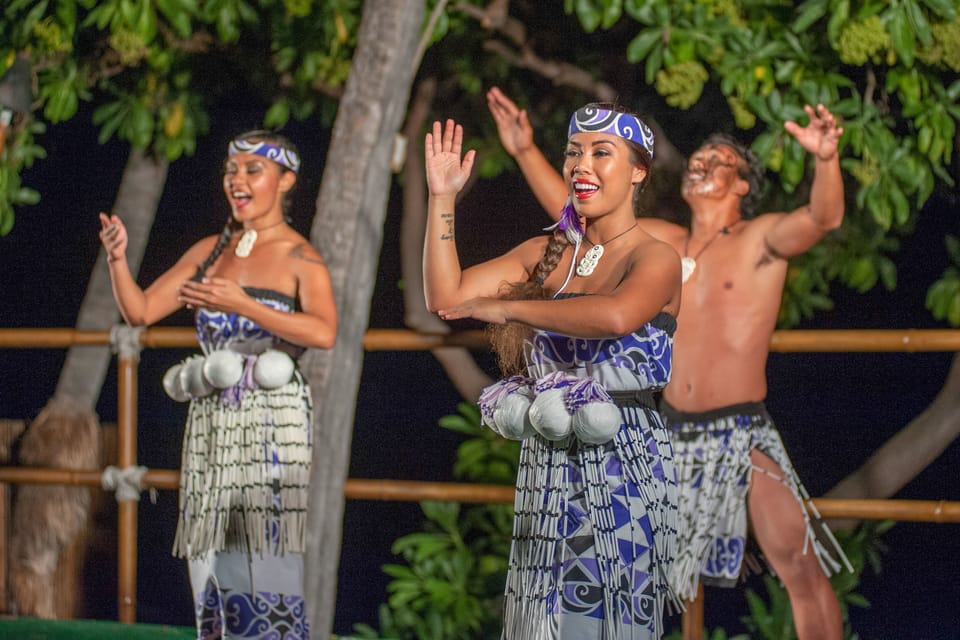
(730, 458)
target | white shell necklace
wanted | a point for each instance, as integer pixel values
(248, 239)
(591, 258)
(689, 264)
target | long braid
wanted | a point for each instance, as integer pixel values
(506, 340)
(218, 248)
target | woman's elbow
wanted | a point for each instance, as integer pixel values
(435, 302)
(324, 339)
(134, 319)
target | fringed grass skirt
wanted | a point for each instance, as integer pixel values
(594, 536)
(245, 472)
(712, 453)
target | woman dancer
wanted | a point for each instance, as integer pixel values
(261, 294)
(583, 333)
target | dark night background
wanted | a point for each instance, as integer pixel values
(833, 410)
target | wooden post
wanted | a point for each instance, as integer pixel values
(691, 623)
(126, 341)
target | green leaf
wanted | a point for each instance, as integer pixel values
(901, 35)
(811, 12)
(839, 14)
(277, 115)
(946, 9)
(641, 45)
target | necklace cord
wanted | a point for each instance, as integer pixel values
(593, 244)
(725, 230)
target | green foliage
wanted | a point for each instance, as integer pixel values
(452, 582)
(888, 69)
(19, 153)
(943, 298)
(151, 67)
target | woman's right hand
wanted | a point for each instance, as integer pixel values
(446, 172)
(513, 126)
(113, 235)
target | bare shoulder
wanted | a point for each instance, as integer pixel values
(757, 227)
(654, 252)
(301, 250)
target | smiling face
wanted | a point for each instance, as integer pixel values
(713, 170)
(255, 186)
(601, 173)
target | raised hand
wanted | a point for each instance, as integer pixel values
(216, 294)
(113, 235)
(446, 172)
(821, 135)
(513, 126)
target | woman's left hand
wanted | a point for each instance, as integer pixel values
(490, 310)
(216, 294)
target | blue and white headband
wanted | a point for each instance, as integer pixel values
(283, 157)
(624, 125)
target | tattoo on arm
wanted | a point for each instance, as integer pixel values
(299, 252)
(448, 218)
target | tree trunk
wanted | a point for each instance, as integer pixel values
(347, 230)
(65, 434)
(137, 197)
(910, 451)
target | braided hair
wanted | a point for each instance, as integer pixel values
(232, 225)
(506, 340)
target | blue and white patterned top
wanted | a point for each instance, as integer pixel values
(219, 330)
(640, 360)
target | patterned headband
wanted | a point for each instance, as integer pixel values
(283, 157)
(596, 120)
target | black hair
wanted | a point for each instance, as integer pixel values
(750, 169)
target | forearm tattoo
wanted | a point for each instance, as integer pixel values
(299, 252)
(448, 218)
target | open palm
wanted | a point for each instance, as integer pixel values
(821, 136)
(446, 172)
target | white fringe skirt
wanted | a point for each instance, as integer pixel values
(712, 453)
(245, 471)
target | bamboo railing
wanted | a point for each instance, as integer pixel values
(128, 343)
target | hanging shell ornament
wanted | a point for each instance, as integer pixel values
(273, 369)
(171, 384)
(223, 368)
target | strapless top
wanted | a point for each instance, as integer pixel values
(639, 360)
(220, 330)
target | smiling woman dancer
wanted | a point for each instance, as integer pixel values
(584, 334)
(261, 297)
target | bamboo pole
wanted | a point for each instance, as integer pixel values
(127, 511)
(794, 340)
(691, 622)
(387, 490)
(823, 341)
(126, 342)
